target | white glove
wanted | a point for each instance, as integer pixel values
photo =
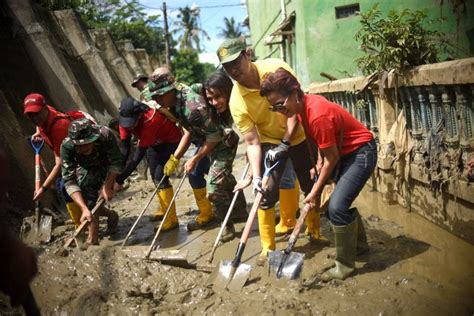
(257, 185)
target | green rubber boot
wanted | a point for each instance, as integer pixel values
(362, 245)
(346, 243)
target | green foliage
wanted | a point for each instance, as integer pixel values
(188, 29)
(231, 29)
(187, 68)
(398, 41)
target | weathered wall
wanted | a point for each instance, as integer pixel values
(52, 54)
(127, 50)
(326, 44)
(429, 101)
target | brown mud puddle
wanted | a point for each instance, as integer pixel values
(414, 267)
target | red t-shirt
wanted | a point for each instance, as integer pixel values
(324, 121)
(153, 128)
(55, 129)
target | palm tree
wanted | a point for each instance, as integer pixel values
(231, 29)
(189, 29)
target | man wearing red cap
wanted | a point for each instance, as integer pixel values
(52, 126)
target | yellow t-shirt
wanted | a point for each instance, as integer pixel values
(249, 109)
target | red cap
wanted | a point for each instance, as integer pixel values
(33, 102)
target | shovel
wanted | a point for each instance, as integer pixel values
(152, 246)
(226, 219)
(84, 224)
(143, 211)
(38, 227)
(287, 263)
(234, 274)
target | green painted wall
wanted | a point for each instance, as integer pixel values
(324, 43)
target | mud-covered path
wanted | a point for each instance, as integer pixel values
(414, 267)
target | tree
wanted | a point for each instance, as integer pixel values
(398, 41)
(187, 68)
(189, 30)
(231, 29)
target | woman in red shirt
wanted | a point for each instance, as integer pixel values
(346, 151)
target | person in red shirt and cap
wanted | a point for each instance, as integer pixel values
(158, 137)
(51, 126)
(347, 152)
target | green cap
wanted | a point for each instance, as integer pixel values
(159, 86)
(83, 131)
(230, 49)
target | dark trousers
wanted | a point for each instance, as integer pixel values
(299, 156)
(157, 156)
(354, 171)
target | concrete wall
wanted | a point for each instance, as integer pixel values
(326, 44)
(127, 50)
(410, 172)
(52, 54)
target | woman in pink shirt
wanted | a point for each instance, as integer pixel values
(346, 151)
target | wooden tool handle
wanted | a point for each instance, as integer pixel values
(84, 224)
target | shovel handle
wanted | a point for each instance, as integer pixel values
(226, 219)
(84, 224)
(143, 211)
(152, 246)
(297, 229)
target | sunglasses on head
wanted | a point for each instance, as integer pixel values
(279, 106)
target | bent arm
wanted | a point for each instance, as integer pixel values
(331, 159)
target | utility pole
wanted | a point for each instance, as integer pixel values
(167, 37)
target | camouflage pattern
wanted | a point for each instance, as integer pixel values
(83, 131)
(192, 113)
(87, 173)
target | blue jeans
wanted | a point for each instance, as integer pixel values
(288, 178)
(354, 171)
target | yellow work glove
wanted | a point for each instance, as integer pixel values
(171, 165)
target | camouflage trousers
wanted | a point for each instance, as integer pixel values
(221, 183)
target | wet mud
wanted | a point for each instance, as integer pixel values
(413, 267)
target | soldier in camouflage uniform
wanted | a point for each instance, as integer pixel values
(194, 116)
(91, 161)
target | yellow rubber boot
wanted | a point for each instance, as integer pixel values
(312, 222)
(75, 213)
(266, 228)
(160, 211)
(205, 210)
(166, 195)
(289, 199)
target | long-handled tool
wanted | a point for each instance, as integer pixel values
(37, 227)
(233, 274)
(152, 246)
(226, 219)
(143, 211)
(287, 262)
(84, 224)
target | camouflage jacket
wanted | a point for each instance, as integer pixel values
(79, 170)
(192, 114)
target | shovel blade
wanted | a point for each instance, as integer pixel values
(221, 277)
(31, 235)
(290, 264)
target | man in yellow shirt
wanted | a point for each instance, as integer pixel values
(266, 131)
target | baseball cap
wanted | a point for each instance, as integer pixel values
(230, 49)
(83, 131)
(129, 111)
(138, 78)
(160, 85)
(33, 103)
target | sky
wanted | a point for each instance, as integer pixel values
(212, 14)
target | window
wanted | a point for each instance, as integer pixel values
(347, 11)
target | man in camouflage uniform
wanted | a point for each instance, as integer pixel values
(190, 111)
(91, 161)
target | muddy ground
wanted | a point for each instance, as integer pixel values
(414, 267)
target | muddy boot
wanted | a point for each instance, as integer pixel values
(93, 237)
(171, 222)
(228, 234)
(362, 245)
(288, 207)
(112, 221)
(74, 212)
(266, 228)
(346, 243)
(160, 211)
(313, 222)
(204, 219)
